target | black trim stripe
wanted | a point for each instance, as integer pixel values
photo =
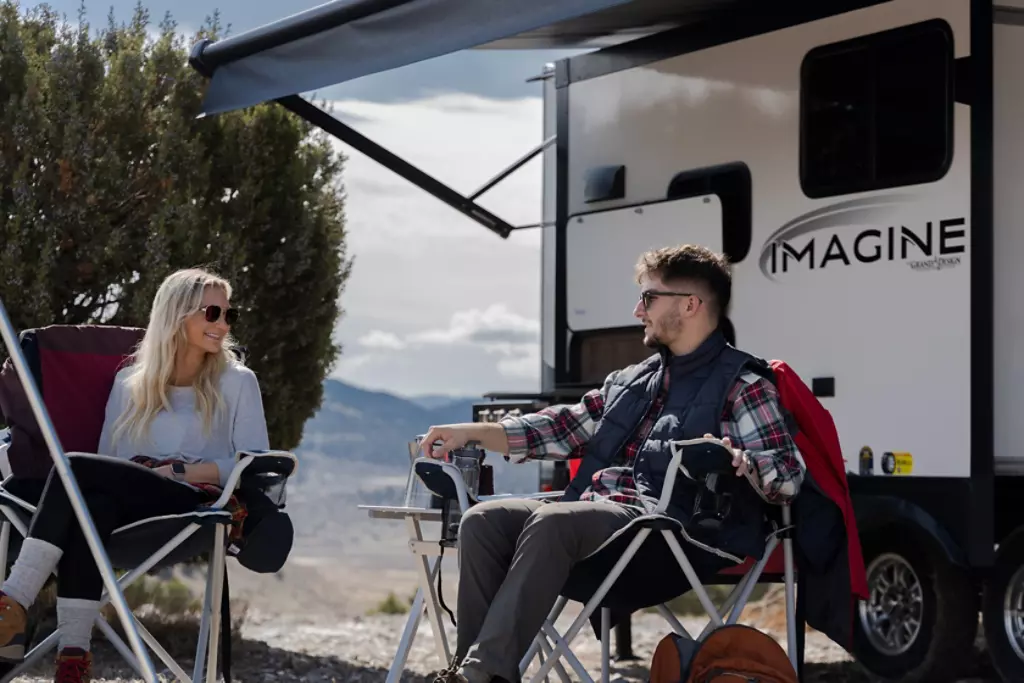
(561, 223)
(980, 541)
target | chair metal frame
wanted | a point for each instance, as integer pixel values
(63, 468)
(210, 627)
(135, 651)
(551, 647)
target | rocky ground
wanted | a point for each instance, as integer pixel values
(321, 649)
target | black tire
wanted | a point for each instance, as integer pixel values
(1004, 575)
(946, 614)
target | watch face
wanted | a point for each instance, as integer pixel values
(178, 468)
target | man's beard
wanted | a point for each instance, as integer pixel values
(656, 335)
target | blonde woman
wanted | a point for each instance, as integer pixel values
(183, 397)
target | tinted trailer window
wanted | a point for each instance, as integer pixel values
(877, 111)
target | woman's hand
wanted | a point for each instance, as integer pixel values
(165, 471)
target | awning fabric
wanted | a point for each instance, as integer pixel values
(346, 39)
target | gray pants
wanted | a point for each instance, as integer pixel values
(514, 559)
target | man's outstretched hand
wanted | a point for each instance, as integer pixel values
(490, 435)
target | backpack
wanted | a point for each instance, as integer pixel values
(730, 654)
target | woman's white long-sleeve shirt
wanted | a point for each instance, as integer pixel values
(178, 433)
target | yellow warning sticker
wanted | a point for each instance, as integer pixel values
(898, 463)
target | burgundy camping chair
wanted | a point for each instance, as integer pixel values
(73, 367)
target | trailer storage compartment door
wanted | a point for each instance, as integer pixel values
(602, 250)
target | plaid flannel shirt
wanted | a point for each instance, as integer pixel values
(752, 420)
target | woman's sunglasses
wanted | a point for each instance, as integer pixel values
(213, 314)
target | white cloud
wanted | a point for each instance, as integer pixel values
(437, 303)
(494, 325)
(523, 366)
(496, 331)
(381, 340)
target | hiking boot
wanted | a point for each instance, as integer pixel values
(74, 665)
(13, 624)
(453, 675)
(449, 674)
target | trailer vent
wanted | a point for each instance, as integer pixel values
(604, 183)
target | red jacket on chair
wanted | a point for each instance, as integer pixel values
(818, 442)
(819, 445)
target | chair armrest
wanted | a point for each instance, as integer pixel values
(443, 479)
(267, 467)
(676, 466)
(540, 495)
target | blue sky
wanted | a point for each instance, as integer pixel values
(436, 304)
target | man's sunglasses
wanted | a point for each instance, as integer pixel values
(213, 314)
(649, 295)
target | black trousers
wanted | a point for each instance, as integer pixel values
(116, 492)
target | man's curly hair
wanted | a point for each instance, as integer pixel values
(692, 263)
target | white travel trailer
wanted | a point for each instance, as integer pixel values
(857, 160)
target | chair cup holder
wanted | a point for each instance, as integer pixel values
(436, 480)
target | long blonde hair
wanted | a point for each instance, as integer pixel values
(152, 365)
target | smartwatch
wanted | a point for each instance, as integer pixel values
(178, 470)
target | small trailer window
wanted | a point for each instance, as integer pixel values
(877, 111)
(595, 353)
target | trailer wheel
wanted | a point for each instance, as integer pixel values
(921, 615)
(1003, 611)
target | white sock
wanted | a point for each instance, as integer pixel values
(74, 621)
(35, 563)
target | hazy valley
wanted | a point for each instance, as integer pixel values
(354, 452)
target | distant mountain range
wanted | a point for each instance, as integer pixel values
(354, 451)
(432, 402)
(356, 424)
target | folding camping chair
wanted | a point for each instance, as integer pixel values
(642, 565)
(73, 367)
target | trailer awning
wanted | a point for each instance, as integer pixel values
(346, 39)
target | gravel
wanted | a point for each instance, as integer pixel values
(292, 649)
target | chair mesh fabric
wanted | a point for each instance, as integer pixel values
(74, 367)
(132, 545)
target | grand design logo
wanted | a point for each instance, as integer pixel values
(863, 231)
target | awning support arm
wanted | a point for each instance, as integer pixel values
(345, 133)
(513, 167)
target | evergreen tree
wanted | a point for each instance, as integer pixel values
(109, 181)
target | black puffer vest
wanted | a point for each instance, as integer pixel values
(698, 387)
